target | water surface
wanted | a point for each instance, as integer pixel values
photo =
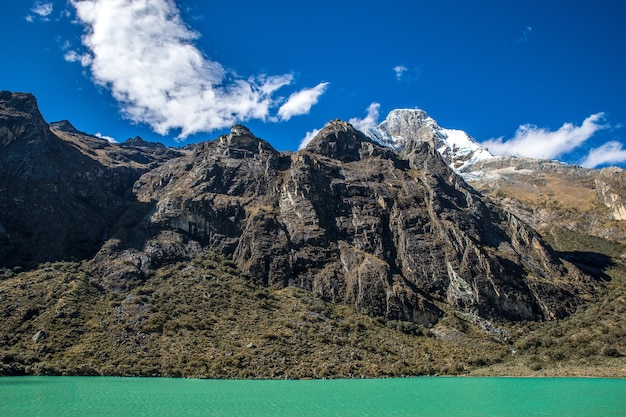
(105, 396)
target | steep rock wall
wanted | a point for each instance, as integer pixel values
(393, 234)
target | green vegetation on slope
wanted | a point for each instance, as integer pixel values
(205, 319)
(590, 342)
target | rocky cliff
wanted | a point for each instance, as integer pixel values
(543, 193)
(394, 233)
(61, 191)
(228, 258)
(391, 233)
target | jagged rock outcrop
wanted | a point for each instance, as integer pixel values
(392, 233)
(395, 233)
(543, 193)
(403, 126)
(61, 193)
(20, 119)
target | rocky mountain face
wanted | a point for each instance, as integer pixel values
(61, 191)
(611, 188)
(403, 126)
(544, 194)
(395, 233)
(391, 233)
(549, 194)
(229, 259)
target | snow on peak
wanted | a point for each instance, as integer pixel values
(456, 147)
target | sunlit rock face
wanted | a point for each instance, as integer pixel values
(393, 233)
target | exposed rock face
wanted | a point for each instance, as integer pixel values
(403, 126)
(20, 119)
(548, 194)
(543, 193)
(394, 234)
(59, 198)
(611, 187)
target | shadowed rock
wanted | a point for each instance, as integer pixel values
(393, 234)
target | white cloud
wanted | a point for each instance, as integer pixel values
(610, 153)
(534, 142)
(399, 70)
(371, 120)
(525, 34)
(144, 53)
(301, 102)
(73, 56)
(308, 138)
(108, 138)
(406, 74)
(42, 10)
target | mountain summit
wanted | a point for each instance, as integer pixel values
(456, 147)
(544, 193)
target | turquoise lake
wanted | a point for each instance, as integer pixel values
(106, 396)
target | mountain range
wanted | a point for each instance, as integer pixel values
(541, 192)
(408, 225)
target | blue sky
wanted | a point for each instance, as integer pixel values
(537, 78)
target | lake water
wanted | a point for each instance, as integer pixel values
(104, 396)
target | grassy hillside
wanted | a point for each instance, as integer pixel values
(591, 342)
(204, 319)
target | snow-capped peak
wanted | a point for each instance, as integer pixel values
(456, 147)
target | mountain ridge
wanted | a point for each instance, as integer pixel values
(333, 219)
(513, 181)
(456, 147)
(396, 235)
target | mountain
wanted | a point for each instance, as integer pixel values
(402, 126)
(543, 193)
(61, 191)
(390, 233)
(227, 258)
